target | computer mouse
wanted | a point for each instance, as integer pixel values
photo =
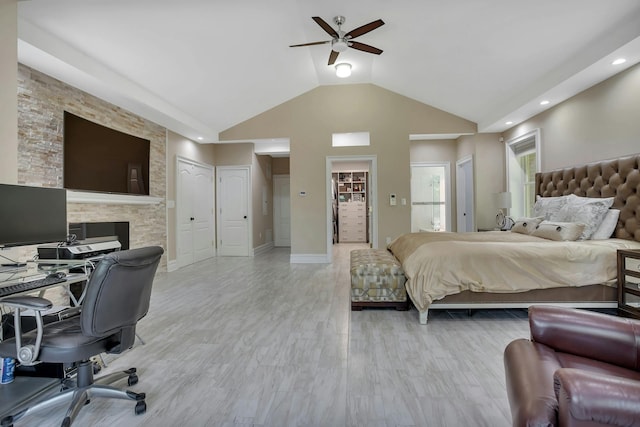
(57, 275)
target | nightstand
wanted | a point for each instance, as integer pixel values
(629, 283)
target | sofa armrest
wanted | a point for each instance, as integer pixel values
(598, 336)
(588, 398)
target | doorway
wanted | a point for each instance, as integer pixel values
(194, 212)
(371, 199)
(465, 195)
(430, 197)
(281, 210)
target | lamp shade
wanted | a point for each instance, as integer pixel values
(502, 200)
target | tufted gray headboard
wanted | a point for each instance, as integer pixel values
(619, 178)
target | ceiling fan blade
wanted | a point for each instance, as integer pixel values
(357, 32)
(332, 57)
(365, 47)
(310, 44)
(328, 28)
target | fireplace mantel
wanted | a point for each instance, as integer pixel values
(111, 198)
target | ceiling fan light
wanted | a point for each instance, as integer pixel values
(343, 69)
(339, 46)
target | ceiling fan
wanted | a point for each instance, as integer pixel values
(341, 41)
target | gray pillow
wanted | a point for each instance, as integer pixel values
(607, 226)
(548, 207)
(587, 210)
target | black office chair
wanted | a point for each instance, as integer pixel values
(117, 296)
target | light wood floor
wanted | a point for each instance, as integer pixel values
(262, 342)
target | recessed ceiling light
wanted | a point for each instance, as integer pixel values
(200, 138)
(343, 69)
(619, 61)
(508, 123)
(545, 102)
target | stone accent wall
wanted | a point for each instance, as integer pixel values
(42, 101)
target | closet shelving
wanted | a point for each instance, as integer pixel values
(352, 207)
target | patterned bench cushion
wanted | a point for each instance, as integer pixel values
(376, 275)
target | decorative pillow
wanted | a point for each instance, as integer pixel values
(526, 225)
(607, 226)
(554, 230)
(587, 210)
(548, 207)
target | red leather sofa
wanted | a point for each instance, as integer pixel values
(579, 368)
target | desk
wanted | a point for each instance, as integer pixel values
(76, 271)
(23, 389)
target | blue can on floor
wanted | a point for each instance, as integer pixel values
(7, 368)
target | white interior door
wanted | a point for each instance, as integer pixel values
(234, 216)
(281, 210)
(203, 211)
(194, 212)
(184, 197)
(465, 195)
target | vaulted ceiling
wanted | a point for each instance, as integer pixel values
(199, 67)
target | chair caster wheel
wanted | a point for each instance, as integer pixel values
(7, 421)
(141, 407)
(66, 422)
(132, 380)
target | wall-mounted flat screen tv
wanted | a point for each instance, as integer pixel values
(98, 158)
(32, 215)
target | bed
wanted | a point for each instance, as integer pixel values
(499, 269)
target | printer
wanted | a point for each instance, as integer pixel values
(79, 249)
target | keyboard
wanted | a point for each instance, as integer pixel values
(29, 286)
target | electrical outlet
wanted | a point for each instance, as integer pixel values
(388, 240)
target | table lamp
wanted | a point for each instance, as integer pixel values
(503, 202)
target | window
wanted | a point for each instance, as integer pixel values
(523, 161)
(528, 164)
(351, 139)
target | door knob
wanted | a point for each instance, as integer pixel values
(245, 217)
(192, 218)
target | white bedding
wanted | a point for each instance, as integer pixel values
(440, 264)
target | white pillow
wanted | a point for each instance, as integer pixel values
(607, 226)
(526, 225)
(555, 230)
(587, 210)
(548, 207)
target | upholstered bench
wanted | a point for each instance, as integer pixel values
(377, 280)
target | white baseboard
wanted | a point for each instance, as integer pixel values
(172, 265)
(264, 248)
(309, 259)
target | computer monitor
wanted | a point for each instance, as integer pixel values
(32, 215)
